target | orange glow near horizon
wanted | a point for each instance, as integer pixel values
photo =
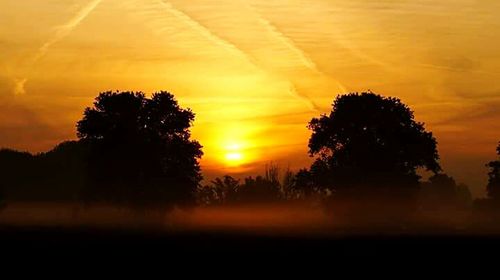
(232, 146)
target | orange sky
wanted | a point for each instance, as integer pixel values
(255, 72)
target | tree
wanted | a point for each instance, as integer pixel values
(443, 186)
(226, 188)
(368, 150)
(442, 192)
(141, 153)
(56, 175)
(2, 198)
(259, 190)
(371, 142)
(493, 187)
(288, 185)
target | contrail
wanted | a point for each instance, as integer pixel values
(62, 31)
(312, 105)
(299, 52)
(205, 31)
(348, 45)
(216, 39)
(287, 41)
(66, 29)
(303, 55)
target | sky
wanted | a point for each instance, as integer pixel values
(256, 71)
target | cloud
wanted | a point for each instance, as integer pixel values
(287, 41)
(205, 31)
(289, 118)
(20, 126)
(479, 110)
(160, 24)
(303, 56)
(66, 29)
(309, 101)
(19, 86)
(62, 31)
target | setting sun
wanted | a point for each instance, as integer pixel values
(234, 155)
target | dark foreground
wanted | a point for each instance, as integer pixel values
(91, 244)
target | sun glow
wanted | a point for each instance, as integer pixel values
(234, 155)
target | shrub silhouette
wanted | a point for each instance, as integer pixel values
(140, 150)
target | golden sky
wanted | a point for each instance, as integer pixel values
(255, 71)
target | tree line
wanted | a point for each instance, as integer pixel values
(137, 151)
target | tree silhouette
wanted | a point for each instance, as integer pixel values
(443, 185)
(315, 180)
(56, 175)
(442, 192)
(225, 188)
(368, 150)
(261, 189)
(372, 142)
(493, 187)
(2, 198)
(140, 150)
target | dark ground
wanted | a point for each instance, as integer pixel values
(32, 243)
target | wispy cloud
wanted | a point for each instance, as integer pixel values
(19, 85)
(287, 41)
(62, 31)
(303, 56)
(67, 28)
(310, 102)
(205, 31)
(233, 47)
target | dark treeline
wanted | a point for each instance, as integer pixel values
(137, 152)
(132, 151)
(57, 175)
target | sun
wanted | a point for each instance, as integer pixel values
(234, 155)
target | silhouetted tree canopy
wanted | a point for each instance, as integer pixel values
(493, 187)
(370, 141)
(141, 152)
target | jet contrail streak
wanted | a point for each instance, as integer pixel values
(62, 31)
(299, 52)
(66, 29)
(287, 41)
(205, 31)
(216, 39)
(312, 105)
